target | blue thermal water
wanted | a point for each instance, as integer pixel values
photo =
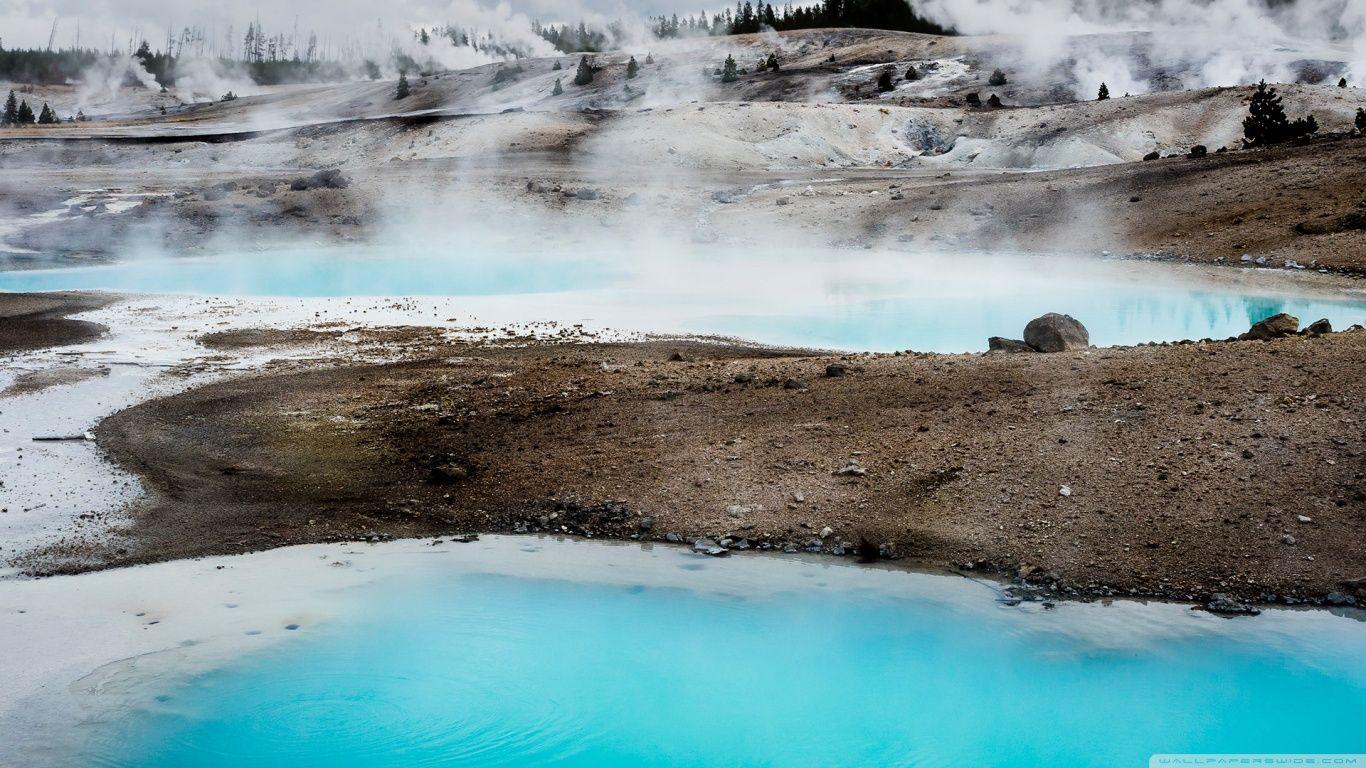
(486, 670)
(829, 299)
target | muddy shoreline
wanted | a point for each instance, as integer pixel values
(1173, 471)
(31, 321)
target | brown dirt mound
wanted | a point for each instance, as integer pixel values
(1171, 471)
(38, 320)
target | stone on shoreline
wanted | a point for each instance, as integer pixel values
(1277, 326)
(1318, 328)
(1056, 333)
(1009, 346)
(1223, 604)
(708, 547)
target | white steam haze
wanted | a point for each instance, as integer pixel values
(28, 24)
(201, 80)
(1217, 42)
(100, 82)
(1212, 42)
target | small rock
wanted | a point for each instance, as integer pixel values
(447, 474)
(673, 538)
(645, 523)
(1224, 604)
(1304, 518)
(825, 532)
(708, 547)
(1010, 346)
(784, 200)
(851, 469)
(794, 384)
(1288, 540)
(835, 369)
(1065, 491)
(1339, 598)
(1318, 328)
(738, 510)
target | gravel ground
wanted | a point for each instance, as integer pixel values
(1172, 471)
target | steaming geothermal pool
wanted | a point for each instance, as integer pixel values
(518, 651)
(841, 299)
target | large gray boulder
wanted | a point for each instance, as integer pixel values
(1274, 327)
(1056, 333)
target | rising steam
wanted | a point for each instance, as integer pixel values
(1213, 42)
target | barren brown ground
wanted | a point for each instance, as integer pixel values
(36, 320)
(1174, 471)
(1305, 203)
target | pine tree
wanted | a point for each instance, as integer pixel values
(402, 90)
(884, 80)
(911, 74)
(559, 89)
(46, 116)
(1342, 82)
(632, 68)
(1104, 92)
(772, 62)
(557, 66)
(1266, 122)
(649, 58)
(728, 71)
(11, 113)
(584, 74)
(1361, 120)
(25, 114)
(997, 78)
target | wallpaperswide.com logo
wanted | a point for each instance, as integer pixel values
(1186, 761)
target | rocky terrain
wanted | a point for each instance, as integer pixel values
(1175, 470)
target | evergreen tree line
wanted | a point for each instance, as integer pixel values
(17, 112)
(569, 38)
(749, 17)
(46, 67)
(42, 67)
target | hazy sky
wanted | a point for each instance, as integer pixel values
(27, 23)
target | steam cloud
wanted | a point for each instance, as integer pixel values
(1216, 42)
